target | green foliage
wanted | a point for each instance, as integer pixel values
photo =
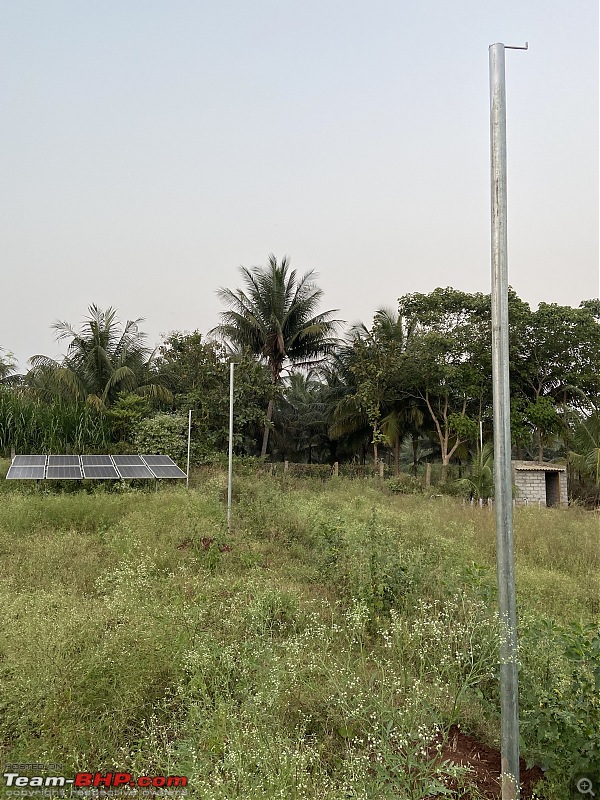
(275, 320)
(405, 484)
(30, 425)
(377, 397)
(480, 483)
(464, 427)
(163, 434)
(125, 413)
(585, 455)
(7, 365)
(301, 420)
(197, 372)
(373, 570)
(325, 650)
(560, 687)
(102, 360)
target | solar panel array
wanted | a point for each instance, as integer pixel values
(92, 467)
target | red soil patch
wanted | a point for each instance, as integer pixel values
(484, 765)
(206, 543)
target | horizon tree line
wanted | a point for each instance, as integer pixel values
(417, 381)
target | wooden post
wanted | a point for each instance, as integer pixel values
(336, 469)
(381, 469)
(285, 466)
(428, 474)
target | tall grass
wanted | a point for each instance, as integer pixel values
(31, 425)
(321, 649)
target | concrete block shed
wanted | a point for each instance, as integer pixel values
(540, 484)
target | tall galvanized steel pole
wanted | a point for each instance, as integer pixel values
(230, 471)
(509, 688)
(187, 474)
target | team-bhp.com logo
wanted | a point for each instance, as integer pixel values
(90, 780)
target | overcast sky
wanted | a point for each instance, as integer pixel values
(149, 148)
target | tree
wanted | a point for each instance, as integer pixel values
(447, 364)
(102, 360)
(373, 360)
(276, 319)
(196, 370)
(557, 367)
(302, 416)
(585, 456)
(7, 365)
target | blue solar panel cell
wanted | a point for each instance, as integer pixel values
(167, 472)
(134, 471)
(63, 461)
(25, 473)
(29, 461)
(156, 461)
(100, 472)
(63, 472)
(128, 459)
(97, 461)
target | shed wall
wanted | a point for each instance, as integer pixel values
(531, 486)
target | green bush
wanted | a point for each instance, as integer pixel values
(163, 434)
(560, 690)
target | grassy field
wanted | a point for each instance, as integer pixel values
(320, 650)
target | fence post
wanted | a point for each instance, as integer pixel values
(285, 466)
(381, 465)
(428, 474)
(336, 468)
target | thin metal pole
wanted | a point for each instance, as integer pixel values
(187, 477)
(509, 689)
(230, 473)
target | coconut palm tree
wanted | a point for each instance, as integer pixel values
(102, 359)
(7, 366)
(371, 361)
(275, 318)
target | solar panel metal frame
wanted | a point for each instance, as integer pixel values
(25, 472)
(63, 472)
(29, 461)
(134, 471)
(97, 461)
(63, 461)
(100, 472)
(128, 460)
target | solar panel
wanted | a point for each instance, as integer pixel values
(134, 471)
(93, 467)
(100, 471)
(131, 459)
(165, 471)
(157, 461)
(63, 472)
(97, 461)
(25, 473)
(63, 461)
(29, 461)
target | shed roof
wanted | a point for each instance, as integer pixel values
(535, 467)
